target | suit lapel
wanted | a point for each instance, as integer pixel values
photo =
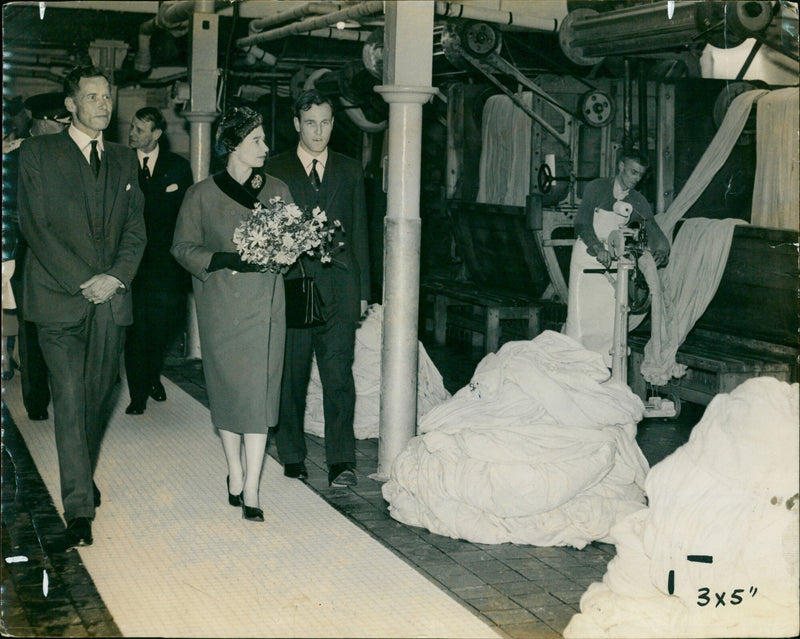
(332, 179)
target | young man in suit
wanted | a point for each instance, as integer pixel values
(80, 210)
(320, 177)
(160, 286)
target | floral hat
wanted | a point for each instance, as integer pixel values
(234, 126)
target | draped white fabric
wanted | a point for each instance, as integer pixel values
(712, 160)
(505, 152)
(367, 376)
(540, 448)
(776, 190)
(715, 553)
(682, 291)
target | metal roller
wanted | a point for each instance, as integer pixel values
(587, 36)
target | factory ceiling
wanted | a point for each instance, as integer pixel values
(42, 39)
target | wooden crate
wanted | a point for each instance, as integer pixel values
(478, 311)
(715, 364)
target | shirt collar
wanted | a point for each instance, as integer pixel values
(83, 140)
(306, 158)
(153, 155)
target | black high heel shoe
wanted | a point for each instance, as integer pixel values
(252, 514)
(233, 500)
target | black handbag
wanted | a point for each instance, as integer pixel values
(304, 306)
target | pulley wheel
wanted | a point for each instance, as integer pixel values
(747, 19)
(480, 39)
(711, 20)
(596, 108)
(567, 34)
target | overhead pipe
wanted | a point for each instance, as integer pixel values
(320, 8)
(508, 18)
(37, 60)
(320, 22)
(171, 16)
(445, 9)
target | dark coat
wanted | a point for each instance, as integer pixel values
(345, 281)
(68, 242)
(164, 193)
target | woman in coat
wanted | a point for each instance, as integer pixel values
(240, 310)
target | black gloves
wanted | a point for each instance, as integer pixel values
(232, 261)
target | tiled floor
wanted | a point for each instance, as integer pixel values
(523, 591)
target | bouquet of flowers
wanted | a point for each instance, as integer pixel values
(274, 236)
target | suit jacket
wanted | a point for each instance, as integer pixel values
(77, 227)
(345, 281)
(163, 196)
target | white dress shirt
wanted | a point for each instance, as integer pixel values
(84, 142)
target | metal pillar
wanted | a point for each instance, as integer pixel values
(202, 113)
(408, 54)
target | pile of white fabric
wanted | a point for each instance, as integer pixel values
(539, 449)
(367, 376)
(715, 554)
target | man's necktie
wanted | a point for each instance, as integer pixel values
(315, 181)
(145, 168)
(94, 159)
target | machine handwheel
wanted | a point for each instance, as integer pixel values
(545, 178)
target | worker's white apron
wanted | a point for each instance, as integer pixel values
(590, 308)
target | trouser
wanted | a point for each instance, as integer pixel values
(33, 370)
(157, 318)
(83, 361)
(333, 344)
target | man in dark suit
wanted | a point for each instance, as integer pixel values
(317, 176)
(161, 284)
(80, 210)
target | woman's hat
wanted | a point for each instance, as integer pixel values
(236, 124)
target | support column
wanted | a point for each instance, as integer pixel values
(408, 51)
(203, 76)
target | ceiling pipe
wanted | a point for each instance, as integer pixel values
(320, 22)
(444, 9)
(320, 8)
(508, 18)
(172, 17)
(16, 58)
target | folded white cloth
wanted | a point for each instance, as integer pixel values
(539, 449)
(715, 553)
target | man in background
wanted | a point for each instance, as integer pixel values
(47, 115)
(161, 284)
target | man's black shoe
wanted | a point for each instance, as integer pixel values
(342, 475)
(79, 532)
(158, 393)
(296, 471)
(135, 408)
(38, 415)
(96, 493)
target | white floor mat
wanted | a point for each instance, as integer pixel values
(171, 558)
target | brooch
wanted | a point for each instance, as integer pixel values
(257, 181)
